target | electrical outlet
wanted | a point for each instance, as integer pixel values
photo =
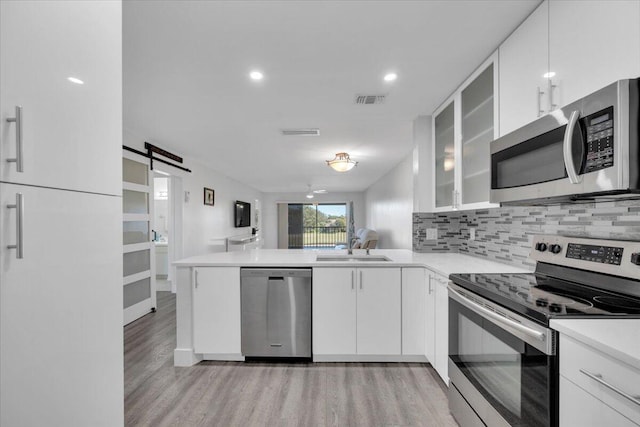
(432, 234)
(472, 234)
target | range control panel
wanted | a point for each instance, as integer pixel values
(599, 128)
(595, 253)
(616, 257)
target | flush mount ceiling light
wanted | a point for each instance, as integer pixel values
(342, 162)
(320, 191)
(309, 193)
(256, 75)
(389, 77)
(549, 75)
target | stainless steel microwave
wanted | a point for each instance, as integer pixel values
(584, 151)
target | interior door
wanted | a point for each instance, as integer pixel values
(138, 254)
(60, 343)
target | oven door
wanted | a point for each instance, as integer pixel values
(502, 369)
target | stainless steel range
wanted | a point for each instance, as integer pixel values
(503, 362)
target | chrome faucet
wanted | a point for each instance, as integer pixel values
(368, 251)
(350, 250)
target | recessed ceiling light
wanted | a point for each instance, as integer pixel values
(256, 75)
(390, 77)
(75, 80)
(548, 75)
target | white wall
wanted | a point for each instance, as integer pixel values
(269, 227)
(389, 206)
(201, 223)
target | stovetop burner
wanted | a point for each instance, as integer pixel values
(540, 297)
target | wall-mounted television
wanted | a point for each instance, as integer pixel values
(242, 214)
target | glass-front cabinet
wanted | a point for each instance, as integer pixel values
(463, 128)
(444, 141)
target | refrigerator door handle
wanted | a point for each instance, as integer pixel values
(19, 207)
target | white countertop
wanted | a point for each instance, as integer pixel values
(619, 338)
(442, 263)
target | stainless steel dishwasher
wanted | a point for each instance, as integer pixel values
(276, 312)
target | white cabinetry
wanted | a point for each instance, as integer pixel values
(216, 311)
(463, 127)
(61, 309)
(71, 133)
(592, 45)
(61, 290)
(414, 302)
(593, 385)
(430, 320)
(524, 62)
(356, 311)
(441, 327)
(565, 51)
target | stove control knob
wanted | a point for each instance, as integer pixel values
(556, 249)
(635, 258)
(541, 246)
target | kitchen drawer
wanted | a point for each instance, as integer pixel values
(579, 408)
(577, 360)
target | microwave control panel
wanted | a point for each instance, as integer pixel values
(599, 128)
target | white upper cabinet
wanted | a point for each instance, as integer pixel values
(70, 134)
(524, 63)
(563, 51)
(463, 127)
(592, 45)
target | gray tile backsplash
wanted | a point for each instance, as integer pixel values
(505, 234)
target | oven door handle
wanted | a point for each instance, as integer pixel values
(497, 317)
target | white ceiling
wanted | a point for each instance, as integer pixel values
(186, 85)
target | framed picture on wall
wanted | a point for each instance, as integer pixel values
(208, 196)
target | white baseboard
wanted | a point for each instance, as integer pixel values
(371, 358)
(163, 285)
(224, 357)
(185, 357)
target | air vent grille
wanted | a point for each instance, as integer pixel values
(300, 132)
(370, 99)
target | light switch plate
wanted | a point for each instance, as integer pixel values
(432, 234)
(472, 234)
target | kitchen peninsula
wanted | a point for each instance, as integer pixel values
(401, 298)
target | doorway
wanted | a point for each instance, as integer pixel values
(161, 233)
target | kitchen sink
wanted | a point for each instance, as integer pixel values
(352, 258)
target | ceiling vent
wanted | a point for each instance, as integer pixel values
(300, 132)
(370, 99)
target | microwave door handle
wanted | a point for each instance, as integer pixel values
(566, 148)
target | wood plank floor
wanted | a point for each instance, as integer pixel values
(269, 394)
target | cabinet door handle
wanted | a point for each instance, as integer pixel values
(353, 286)
(552, 106)
(598, 378)
(430, 284)
(196, 280)
(18, 121)
(360, 280)
(19, 207)
(540, 110)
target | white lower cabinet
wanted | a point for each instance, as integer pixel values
(579, 408)
(593, 386)
(356, 311)
(414, 301)
(441, 326)
(216, 310)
